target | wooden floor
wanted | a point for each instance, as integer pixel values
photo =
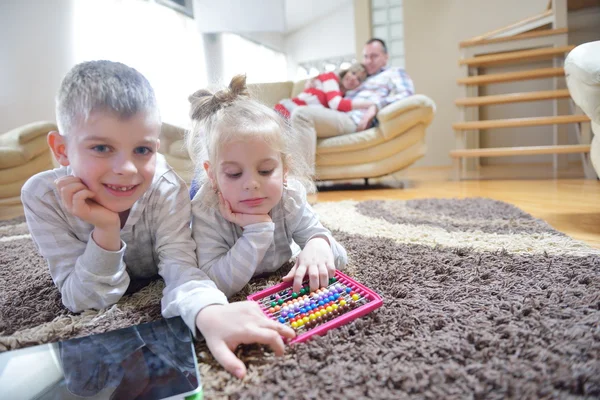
(570, 205)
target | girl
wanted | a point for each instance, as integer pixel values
(328, 90)
(251, 208)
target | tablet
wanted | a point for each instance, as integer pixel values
(155, 360)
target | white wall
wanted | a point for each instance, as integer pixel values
(36, 51)
(433, 30)
(330, 36)
(273, 40)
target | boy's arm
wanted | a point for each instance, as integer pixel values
(305, 225)
(187, 288)
(230, 263)
(86, 275)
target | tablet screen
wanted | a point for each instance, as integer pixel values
(150, 361)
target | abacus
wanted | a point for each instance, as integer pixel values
(310, 313)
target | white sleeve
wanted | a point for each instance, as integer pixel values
(230, 263)
(187, 288)
(86, 275)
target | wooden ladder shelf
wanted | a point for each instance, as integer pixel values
(521, 151)
(540, 37)
(516, 56)
(513, 98)
(512, 76)
(519, 122)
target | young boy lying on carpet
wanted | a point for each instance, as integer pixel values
(115, 212)
(251, 208)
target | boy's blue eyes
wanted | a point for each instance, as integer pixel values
(142, 150)
(100, 148)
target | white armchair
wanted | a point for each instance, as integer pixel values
(582, 71)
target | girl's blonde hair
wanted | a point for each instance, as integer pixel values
(231, 115)
(358, 69)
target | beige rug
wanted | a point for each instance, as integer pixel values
(481, 301)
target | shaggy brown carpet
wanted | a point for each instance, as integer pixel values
(481, 300)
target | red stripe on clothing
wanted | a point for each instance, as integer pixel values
(282, 110)
(319, 94)
(298, 101)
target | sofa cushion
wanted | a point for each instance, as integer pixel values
(374, 169)
(13, 189)
(405, 114)
(298, 87)
(582, 70)
(22, 172)
(373, 153)
(22, 144)
(182, 166)
(270, 93)
(10, 201)
(178, 149)
(374, 136)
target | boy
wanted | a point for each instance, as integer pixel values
(115, 212)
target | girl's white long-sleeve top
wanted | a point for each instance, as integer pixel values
(231, 256)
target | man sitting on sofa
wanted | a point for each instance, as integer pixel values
(384, 86)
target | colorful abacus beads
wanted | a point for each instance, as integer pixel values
(304, 310)
(311, 313)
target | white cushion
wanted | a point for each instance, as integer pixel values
(582, 71)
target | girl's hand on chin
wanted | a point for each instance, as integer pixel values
(239, 218)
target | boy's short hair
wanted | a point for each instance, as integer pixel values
(105, 86)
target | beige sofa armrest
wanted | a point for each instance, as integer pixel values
(20, 145)
(271, 93)
(403, 114)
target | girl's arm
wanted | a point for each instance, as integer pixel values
(305, 224)
(333, 93)
(230, 263)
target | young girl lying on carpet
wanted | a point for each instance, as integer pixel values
(251, 207)
(115, 213)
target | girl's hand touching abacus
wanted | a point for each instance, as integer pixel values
(316, 261)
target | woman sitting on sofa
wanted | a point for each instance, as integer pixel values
(328, 90)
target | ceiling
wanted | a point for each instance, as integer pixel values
(299, 13)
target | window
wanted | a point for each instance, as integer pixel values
(314, 68)
(387, 18)
(161, 43)
(260, 63)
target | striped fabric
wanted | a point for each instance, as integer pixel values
(231, 256)
(387, 86)
(325, 93)
(156, 239)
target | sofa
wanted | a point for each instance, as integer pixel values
(396, 143)
(582, 72)
(23, 153)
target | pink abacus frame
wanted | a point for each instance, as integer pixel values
(374, 301)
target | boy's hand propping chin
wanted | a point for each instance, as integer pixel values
(316, 261)
(239, 218)
(78, 200)
(226, 326)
